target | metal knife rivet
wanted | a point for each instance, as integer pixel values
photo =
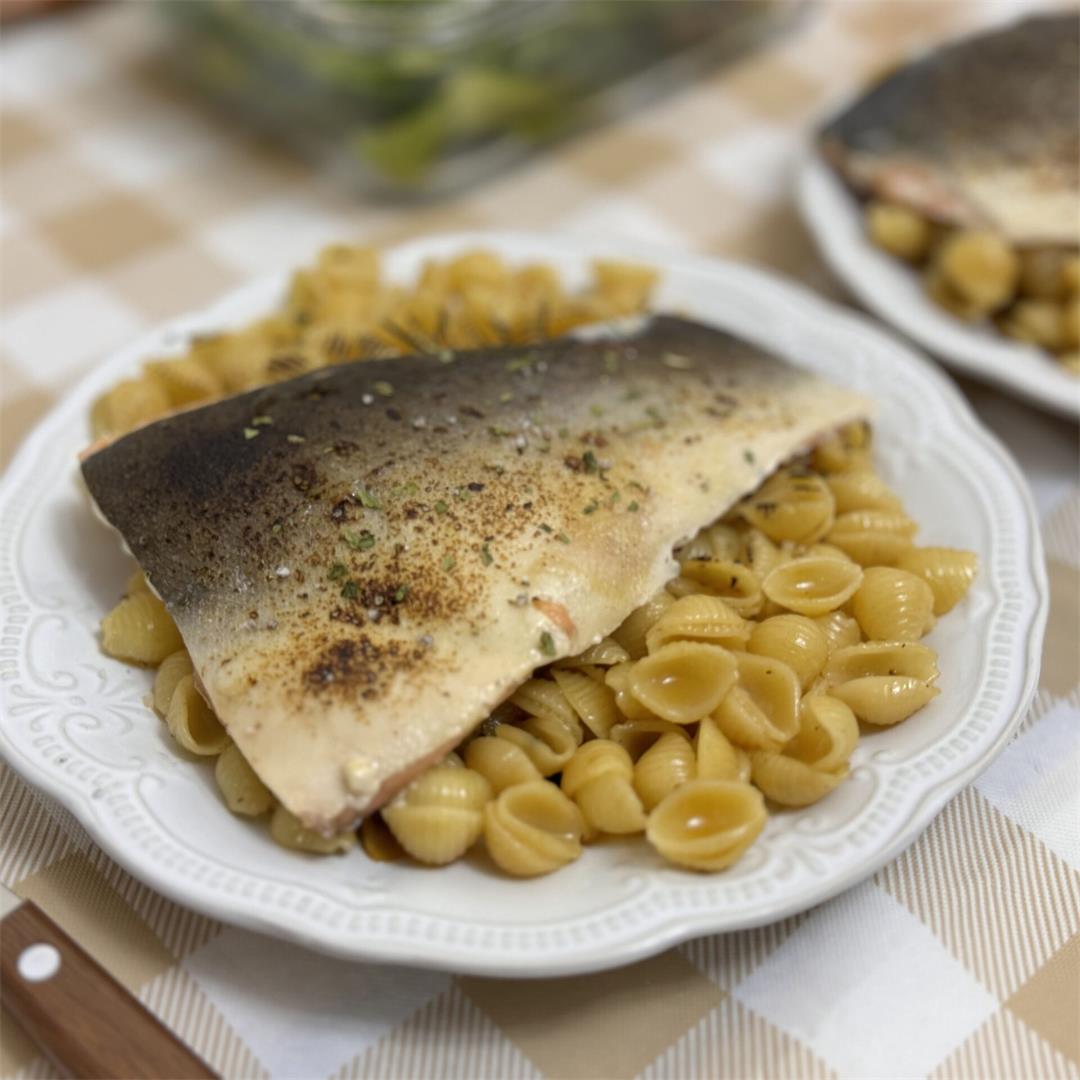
(39, 962)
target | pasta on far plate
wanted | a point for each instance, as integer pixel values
(740, 688)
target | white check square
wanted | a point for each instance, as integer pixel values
(301, 1013)
(870, 988)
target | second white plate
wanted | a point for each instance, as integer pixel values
(74, 722)
(893, 292)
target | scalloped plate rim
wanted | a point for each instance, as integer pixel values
(664, 930)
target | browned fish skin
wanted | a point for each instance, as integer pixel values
(981, 132)
(343, 550)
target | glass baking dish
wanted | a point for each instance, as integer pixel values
(426, 96)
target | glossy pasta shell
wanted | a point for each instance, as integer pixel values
(761, 712)
(192, 722)
(846, 451)
(840, 630)
(724, 540)
(501, 762)
(609, 804)
(532, 829)
(717, 757)
(548, 743)
(636, 736)
(731, 581)
(433, 834)
(140, 630)
(884, 700)
(790, 782)
(873, 537)
(288, 831)
(592, 701)
(683, 681)
(446, 786)
(631, 633)
(603, 654)
(666, 765)
(600, 757)
(707, 824)
(699, 618)
(796, 641)
(170, 671)
(862, 491)
(136, 583)
(378, 842)
(828, 733)
(244, 793)
(618, 678)
(542, 697)
(882, 658)
(791, 506)
(948, 571)
(893, 605)
(812, 585)
(761, 554)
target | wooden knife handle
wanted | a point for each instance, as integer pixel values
(79, 1015)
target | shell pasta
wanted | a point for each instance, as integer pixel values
(739, 689)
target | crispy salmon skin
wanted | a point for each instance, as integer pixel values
(365, 560)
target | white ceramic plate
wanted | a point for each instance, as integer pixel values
(74, 722)
(893, 292)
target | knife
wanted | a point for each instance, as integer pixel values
(75, 1011)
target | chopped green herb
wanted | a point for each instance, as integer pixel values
(614, 498)
(632, 394)
(383, 389)
(655, 413)
(590, 462)
(564, 433)
(547, 644)
(519, 363)
(400, 593)
(295, 438)
(485, 555)
(498, 429)
(596, 410)
(546, 527)
(359, 542)
(366, 498)
(463, 494)
(748, 457)
(611, 361)
(591, 508)
(337, 571)
(350, 590)
(261, 421)
(506, 396)
(276, 527)
(562, 538)
(250, 432)
(632, 506)
(449, 562)
(441, 507)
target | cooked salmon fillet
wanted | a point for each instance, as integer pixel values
(984, 131)
(364, 561)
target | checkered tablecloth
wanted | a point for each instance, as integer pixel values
(122, 202)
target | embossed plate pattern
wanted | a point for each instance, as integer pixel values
(893, 292)
(74, 722)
